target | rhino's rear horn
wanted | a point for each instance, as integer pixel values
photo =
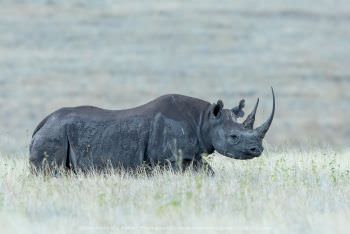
(249, 121)
(262, 130)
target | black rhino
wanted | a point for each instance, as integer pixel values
(173, 130)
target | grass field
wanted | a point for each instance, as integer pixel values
(284, 192)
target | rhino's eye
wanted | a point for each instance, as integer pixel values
(234, 137)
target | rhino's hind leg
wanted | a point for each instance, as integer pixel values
(48, 156)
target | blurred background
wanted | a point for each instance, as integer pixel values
(118, 54)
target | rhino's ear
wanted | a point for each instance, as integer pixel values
(216, 109)
(238, 110)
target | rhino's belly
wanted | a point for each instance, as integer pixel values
(117, 144)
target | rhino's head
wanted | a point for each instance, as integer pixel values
(233, 139)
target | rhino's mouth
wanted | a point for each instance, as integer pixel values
(241, 156)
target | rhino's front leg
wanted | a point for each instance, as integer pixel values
(203, 165)
(193, 165)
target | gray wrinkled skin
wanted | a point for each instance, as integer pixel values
(165, 131)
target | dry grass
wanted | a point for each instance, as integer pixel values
(293, 192)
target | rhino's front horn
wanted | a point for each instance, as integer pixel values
(262, 130)
(249, 121)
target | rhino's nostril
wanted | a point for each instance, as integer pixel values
(253, 149)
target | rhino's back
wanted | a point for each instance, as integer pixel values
(173, 106)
